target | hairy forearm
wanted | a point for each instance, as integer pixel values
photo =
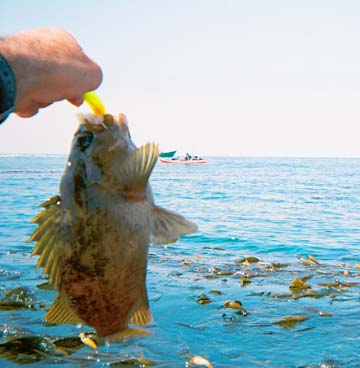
(49, 65)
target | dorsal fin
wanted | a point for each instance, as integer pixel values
(168, 226)
(48, 239)
(136, 170)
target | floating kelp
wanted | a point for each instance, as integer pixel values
(245, 281)
(216, 292)
(7, 332)
(214, 269)
(10, 306)
(298, 284)
(233, 304)
(69, 344)
(339, 284)
(268, 288)
(237, 306)
(310, 261)
(305, 261)
(325, 314)
(279, 265)
(224, 273)
(23, 347)
(321, 313)
(186, 263)
(251, 275)
(133, 363)
(28, 349)
(313, 259)
(247, 260)
(291, 321)
(310, 294)
(282, 295)
(18, 298)
(216, 272)
(203, 299)
(306, 277)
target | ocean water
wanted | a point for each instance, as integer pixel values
(278, 210)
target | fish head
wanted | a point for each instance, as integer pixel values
(100, 146)
(101, 134)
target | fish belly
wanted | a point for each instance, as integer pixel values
(105, 269)
(105, 301)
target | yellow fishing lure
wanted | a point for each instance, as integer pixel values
(94, 103)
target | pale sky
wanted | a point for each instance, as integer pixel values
(225, 77)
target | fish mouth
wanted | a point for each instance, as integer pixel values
(112, 131)
(98, 124)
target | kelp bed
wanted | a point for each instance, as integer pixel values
(210, 304)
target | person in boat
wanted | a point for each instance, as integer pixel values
(187, 157)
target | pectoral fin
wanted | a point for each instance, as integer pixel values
(49, 242)
(168, 226)
(136, 171)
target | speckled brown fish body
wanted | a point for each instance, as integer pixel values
(93, 239)
(104, 276)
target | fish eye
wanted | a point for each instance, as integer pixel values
(85, 140)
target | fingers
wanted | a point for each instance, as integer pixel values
(61, 72)
(88, 78)
(89, 83)
(27, 113)
(31, 110)
(76, 101)
(98, 77)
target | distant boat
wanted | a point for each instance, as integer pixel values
(167, 154)
(183, 161)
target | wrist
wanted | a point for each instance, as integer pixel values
(7, 89)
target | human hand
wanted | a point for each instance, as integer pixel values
(49, 65)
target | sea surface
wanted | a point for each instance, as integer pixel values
(259, 221)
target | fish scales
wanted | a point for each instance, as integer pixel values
(96, 295)
(100, 229)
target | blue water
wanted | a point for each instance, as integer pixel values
(276, 209)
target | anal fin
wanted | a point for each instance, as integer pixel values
(62, 312)
(142, 314)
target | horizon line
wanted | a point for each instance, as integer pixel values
(212, 155)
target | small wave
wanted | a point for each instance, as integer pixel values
(30, 171)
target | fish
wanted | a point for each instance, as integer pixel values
(93, 237)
